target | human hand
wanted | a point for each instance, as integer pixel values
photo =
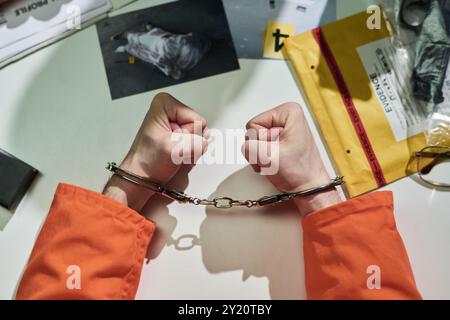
(152, 152)
(285, 133)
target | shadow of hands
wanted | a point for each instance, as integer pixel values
(156, 209)
(262, 242)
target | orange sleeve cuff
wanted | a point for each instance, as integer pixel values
(345, 243)
(86, 231)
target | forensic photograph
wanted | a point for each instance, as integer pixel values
(166, 45)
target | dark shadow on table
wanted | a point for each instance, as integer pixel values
(157, 211)
(262, 242)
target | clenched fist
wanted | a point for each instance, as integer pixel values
(280, 145)
(167, 124)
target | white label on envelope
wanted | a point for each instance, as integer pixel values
(389, 73)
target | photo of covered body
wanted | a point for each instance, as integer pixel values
(148, 49)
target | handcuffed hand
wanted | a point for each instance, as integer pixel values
(152, 152)
(280, 142)
(279, 145)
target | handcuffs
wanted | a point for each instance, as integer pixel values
(218, 202)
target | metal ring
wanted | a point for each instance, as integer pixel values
(205, 202)
(226, 202)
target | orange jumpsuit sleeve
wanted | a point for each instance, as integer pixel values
(347, 245)
(90, 238)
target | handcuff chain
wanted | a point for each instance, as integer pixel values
(218, 202)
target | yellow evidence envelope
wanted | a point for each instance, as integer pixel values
(350, 76)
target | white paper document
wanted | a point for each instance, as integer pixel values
(387, 71)
(28, 23)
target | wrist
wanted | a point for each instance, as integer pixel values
(309, 204)
(318, 201)
(125, 192)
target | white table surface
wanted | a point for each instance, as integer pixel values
(56, 114)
